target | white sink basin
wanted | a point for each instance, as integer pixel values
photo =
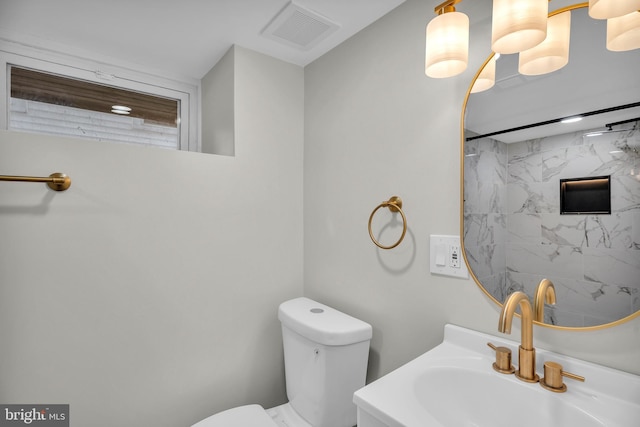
(464, 396)
(454, 385)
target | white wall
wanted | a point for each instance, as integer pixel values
(375, 126)
(147, 293)
(218, 91)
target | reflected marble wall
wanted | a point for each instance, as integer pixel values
(514, 230)
(485, 207)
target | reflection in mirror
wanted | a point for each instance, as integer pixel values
(514, 232)
(43, 102)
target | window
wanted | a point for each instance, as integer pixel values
(68, 96)
(47, 103)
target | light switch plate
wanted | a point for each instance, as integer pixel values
(446, 256)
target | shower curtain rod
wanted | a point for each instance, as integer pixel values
(56, 181)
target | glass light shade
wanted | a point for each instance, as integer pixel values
(553, 53)
(605, 9)
(623, 33)
(447, 51)
(518, 25)
(487, 77)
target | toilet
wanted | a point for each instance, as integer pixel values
(325, 358)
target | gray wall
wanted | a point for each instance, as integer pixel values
(147, 293)
(375, 126)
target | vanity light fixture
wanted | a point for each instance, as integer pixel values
(518, 25)
(623, 32)
(606, 9)
(553, 53)
(447, 42)
(487, 77)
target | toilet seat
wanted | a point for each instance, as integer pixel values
(286, 416)
(255, 416)
(242, 416)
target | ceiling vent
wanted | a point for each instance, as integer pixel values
(299, 27)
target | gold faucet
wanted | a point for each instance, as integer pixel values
(526, 353)
(544, 291)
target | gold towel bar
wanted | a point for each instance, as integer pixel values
(56, 181)
(395, 205)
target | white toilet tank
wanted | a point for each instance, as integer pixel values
(326, 354)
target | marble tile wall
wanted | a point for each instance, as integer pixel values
(485, 207)
(515, 235)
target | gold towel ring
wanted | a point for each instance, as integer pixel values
(395, 205)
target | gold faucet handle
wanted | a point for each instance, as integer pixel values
(553, 374)
(503, 359)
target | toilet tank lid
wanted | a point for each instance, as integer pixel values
(321, 323)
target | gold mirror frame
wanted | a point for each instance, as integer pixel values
(464, 252)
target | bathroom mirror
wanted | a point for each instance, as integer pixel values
(514, 232)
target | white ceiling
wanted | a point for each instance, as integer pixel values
(174, 37)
